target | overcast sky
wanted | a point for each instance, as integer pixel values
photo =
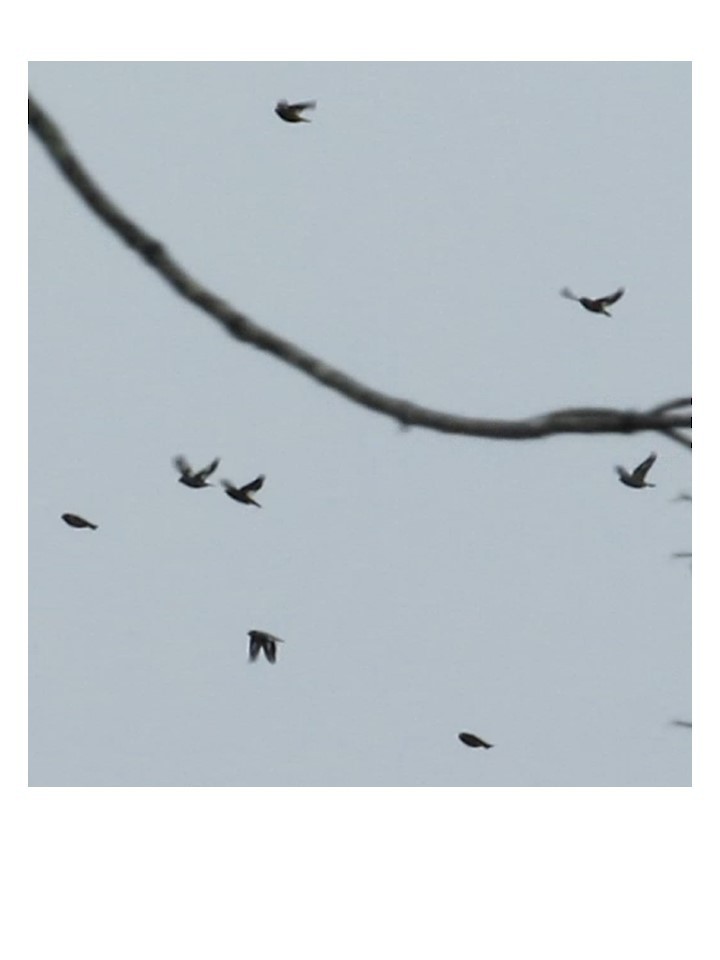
(415, 234)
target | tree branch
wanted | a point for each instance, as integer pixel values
(586, 420)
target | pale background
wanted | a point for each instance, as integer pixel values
(414, 234)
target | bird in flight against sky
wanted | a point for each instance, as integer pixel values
(470, 740)
(290, 112)
(682, 723)
(637, 477)
(259, 640)
(73, 520)
(242, 494)
(595, 306)
(191, 479)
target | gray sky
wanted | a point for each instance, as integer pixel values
(415, 234)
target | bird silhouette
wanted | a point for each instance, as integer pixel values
(290, 112)
(242, 494)
(259, 640)
(594, 306)
(637, 477)
(73, 520)
(191, 478)
(682, 723)
(470, 740)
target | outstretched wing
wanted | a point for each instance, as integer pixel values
(304, 105)
(254, 486)
(641, 470)
(568, 294)
(612, 297)
(206, 471)
(181, 464)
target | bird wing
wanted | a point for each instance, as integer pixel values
(230, 487)
(256, 645)
(270, 650)
(568, 294)
(304, 105)
(181, 464)
(641, 470)
(612, 297)
(254, 486)
(206, 471)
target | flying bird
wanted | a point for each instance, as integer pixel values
(470, 740)
(290, 112)
(683, 554)
(242, 494)
(191, 479)
(259, 640)
(682, 723)
(594, 306)
(73, 520)
(637, 477)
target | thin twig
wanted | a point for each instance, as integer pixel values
(673, 405)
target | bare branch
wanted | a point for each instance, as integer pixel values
(673, 405)
(588, 420)
(678, 437)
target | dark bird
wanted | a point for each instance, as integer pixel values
(242, 494)
(191, 479)
(470, 740)
(594, 306)
(259, 640)
(682, 723)
(73, 520)
(637, 477)
(290, 112)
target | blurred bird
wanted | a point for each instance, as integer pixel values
(290, 112)
(242, 494)
(73, 520)
(259, 640)
(637, 477)
(470, 740)
(594, 306)
(682, 723)
(683, 555)
(191, 479)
